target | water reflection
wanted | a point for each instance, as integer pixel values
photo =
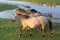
(7, 14)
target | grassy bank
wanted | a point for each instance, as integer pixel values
(38, 1)
(9, 31)
(4, 7)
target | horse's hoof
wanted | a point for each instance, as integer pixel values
(30, 35)
(20, 35)
(43, 36)
(52, 35)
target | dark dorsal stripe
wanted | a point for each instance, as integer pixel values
(25, 16)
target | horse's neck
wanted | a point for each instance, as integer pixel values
(31, 15)
(23, 19)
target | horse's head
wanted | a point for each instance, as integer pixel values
(18, 13)
(14, 18)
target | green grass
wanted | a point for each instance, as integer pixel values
(10, 31)
(50, 1)
(4, 7)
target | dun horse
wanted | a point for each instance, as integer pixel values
(31, 22)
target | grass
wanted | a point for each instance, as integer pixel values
(38, 1)
(4, 7)
(9, 31)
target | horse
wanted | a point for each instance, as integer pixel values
(23, 15)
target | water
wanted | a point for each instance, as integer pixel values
(41, 8)
(56, 20)
(7, 14)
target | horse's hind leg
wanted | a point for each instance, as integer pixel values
(43, 30)
(51, 28)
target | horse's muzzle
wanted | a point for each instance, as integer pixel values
(13, 20)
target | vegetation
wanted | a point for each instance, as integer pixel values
(4, 7)
(10, 31)
(47, 2)
(43, 1)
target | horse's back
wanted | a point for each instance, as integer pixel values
(42, 19)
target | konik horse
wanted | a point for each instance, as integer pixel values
(31, 21)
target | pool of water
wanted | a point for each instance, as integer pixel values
(7, 14)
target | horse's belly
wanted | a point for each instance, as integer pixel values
(33, 23)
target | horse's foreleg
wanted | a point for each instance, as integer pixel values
(51, 28)
(28, 29)
(20, 33)
(21, 30)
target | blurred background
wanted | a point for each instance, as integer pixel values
(10, 31)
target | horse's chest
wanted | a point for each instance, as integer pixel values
(24, 23)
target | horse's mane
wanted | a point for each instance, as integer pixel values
(25, 16)
(33, 11)
(21, 10)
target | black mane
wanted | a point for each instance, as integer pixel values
(33, 11)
